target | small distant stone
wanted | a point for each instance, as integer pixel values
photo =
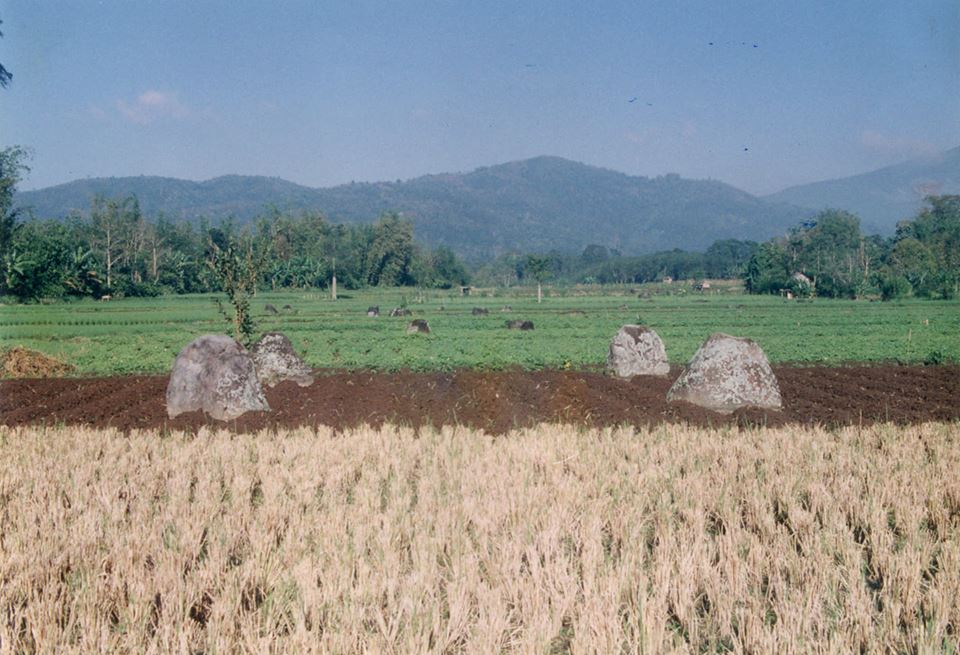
(520, 325)
(289, 308)
(216, 374)
(270, 309)
(506, 308)
(276, 361)
(727, 373)
(373, 311)
(480, 311)
(637, 350)
(418, 326)
(400, 311)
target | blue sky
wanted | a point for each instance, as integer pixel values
(762, 95)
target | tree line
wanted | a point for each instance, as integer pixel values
(118, 250)
(829, 256)
(826, 256)
(597, 264)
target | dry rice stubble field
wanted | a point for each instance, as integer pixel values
(553, 539)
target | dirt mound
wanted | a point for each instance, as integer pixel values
(498, 401)
(25, 363)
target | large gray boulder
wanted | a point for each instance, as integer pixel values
(727, 373)
(276, 361)
(637, 350)
(216, 374)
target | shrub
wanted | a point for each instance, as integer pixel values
(894, 286)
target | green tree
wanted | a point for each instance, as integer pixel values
(539, 268)
(448, 271)
(594, 254)
(768, 270)
(238, 268)
(728, 258)
(926, 250)
(35, 263)
(116, 224)
(391, 252)
(12, 169)
(831, 250)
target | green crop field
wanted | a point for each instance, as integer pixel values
(573, 328)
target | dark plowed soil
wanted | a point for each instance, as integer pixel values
(497, 401)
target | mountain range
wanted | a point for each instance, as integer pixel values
(882, 197)
(532, 205)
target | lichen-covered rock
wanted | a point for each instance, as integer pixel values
(637, 350)
(276, 361)
(418, 326)
(479, 311)
(373, 311)
(400, 311)
(519, 325)
(216, 374)
(727, 373)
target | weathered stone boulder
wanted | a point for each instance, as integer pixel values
(276, 361)
(418, 326)
(373, 311)
(400, 311)
(479, 311)
(270, 309)
(519, 325)
(727, 373)
(216, 374)
(637, 350)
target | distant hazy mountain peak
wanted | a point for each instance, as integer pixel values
(885, 196)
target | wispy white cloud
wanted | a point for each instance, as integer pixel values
(151, 106)
(896, 146)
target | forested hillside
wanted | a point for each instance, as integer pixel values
(540, 204)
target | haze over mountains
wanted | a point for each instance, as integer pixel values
(537, 204)
(884, 196)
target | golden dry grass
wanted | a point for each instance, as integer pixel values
(550, 540)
